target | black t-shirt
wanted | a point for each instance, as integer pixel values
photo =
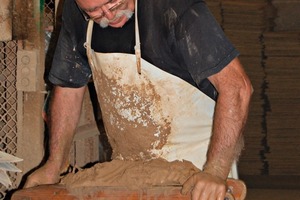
(180, 37)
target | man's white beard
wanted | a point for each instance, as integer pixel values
(104, 22)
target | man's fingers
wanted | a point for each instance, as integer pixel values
(228, 196)
(221, 196)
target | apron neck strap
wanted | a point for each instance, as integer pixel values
(87, 44)
(137, 47)
(89, 33)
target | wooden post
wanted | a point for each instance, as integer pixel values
(30, 36)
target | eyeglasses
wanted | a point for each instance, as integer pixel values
(116, 6)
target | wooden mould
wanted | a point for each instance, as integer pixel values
(59, 192)
(237, 191)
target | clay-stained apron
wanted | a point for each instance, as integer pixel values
(147, 112)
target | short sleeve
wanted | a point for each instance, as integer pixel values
(70, 66)
(202, 44)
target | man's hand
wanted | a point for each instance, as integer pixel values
(204, 186)
(42, 176)
(65, 108)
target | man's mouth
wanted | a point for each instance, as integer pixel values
(120, 19)
(117, 20)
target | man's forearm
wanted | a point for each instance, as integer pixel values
(65, 111)
(230, 117)
(227, 138)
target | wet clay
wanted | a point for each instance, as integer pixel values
(132, 174)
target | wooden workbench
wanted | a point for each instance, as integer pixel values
(237, 189)
(59, 192)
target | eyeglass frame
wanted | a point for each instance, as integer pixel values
(111, 9)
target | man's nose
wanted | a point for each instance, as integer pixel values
(107, 13)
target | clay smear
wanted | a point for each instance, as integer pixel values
(133, 117)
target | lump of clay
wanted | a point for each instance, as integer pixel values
(132, 174)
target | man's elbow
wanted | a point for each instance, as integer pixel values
(246, 90)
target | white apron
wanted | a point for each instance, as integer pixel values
(149, 113)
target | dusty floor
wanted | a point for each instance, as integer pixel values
(273, 194)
